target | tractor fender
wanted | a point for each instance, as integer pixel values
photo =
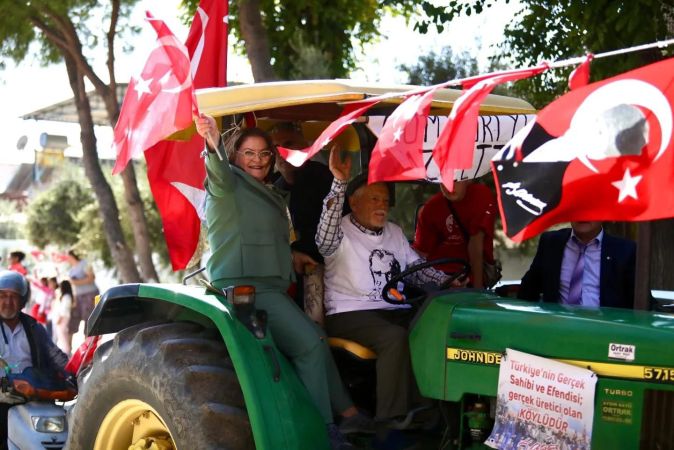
(281, 413)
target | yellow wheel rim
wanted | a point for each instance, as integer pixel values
(132, 422)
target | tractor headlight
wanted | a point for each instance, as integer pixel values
(49, 424)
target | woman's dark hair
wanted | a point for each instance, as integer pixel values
(66, 288)
(252, 132)
(74, 254)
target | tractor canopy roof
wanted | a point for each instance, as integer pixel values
(316, 103)
(325, 99)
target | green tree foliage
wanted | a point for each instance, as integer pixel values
(66, 215)
(551, 30)
(68, 32)
(311, 63)
(91, 237)
(21, 24)
(316, 38)
(548, 30)
(11, 226)
(435, 68)
(53, 214)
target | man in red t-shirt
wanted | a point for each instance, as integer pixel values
(439, 234)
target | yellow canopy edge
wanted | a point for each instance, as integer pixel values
(264, 96)
(323, 101)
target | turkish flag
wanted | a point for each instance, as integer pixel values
(454, 147)
(83, 355)
(398, 156)
(601, 152)
(349, 116)
(159, 101)
(175, 169)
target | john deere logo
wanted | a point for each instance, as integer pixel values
(473, 356)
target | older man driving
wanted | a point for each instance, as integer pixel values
(363, 251)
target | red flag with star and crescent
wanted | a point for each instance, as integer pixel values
(159, 101)
(175, 169)
(397, 156)
(603, 151)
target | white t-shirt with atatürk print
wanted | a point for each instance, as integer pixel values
(364, 262)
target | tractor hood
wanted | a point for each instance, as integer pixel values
(458, 340)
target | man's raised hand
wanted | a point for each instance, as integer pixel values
(341, 169)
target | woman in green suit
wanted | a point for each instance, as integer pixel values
(249, 236)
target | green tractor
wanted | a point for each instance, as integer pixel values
(194, 367)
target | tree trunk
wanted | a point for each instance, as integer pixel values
(64, 36)
(256, 41)
(106, 200)
(141, 234)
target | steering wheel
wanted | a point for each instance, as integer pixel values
(390, 292)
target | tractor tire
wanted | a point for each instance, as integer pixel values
(171, 381)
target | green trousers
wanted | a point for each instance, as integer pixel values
(305, 344)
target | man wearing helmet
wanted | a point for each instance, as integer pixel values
(24, 342)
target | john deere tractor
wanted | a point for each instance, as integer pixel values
(193, 367)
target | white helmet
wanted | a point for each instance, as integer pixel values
(15, 282)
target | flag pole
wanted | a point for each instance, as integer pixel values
(550, 65)
(637, 48)
(569, 61)
(215, 147)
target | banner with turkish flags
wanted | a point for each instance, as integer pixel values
(492, 134)
(603, 151)
(350, 114)
(454, 148)
(397, 156)
(175, 169)
(159, 101)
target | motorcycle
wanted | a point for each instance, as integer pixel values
(37, 419)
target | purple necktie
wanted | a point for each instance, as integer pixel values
(576, 283)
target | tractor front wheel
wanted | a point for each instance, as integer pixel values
(171, 385)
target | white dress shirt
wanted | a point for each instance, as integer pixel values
(14, 348)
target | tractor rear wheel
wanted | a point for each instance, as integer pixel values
(172, 384)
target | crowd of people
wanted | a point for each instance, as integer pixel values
(38, 317)
(59, 303)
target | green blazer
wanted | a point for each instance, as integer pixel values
(248, 228)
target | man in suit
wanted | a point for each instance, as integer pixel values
(582, 265)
